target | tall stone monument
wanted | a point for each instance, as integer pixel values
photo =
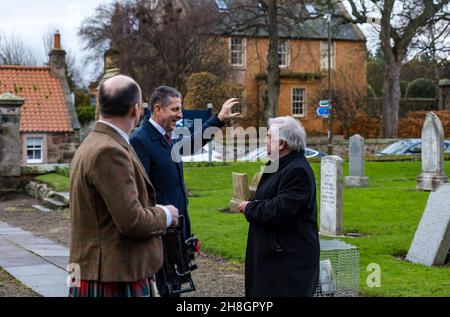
(431, 243)
(331, 196)
(240, 191)
(10, 149)
(356, 157)
(433, 174)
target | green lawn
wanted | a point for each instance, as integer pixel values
(387, 213)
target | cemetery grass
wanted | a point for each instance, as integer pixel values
(386, 213)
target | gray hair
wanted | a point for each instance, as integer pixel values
(291, 131)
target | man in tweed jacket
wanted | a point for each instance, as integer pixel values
(116, 227)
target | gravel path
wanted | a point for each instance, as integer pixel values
(214, 277)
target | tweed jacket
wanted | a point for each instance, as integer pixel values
(115, 226)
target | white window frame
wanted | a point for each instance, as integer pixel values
(243, 53)
(35, 161)
(287, 59)
(324, 55)
(303, 114)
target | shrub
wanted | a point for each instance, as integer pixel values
(85, 114)
(421, 88)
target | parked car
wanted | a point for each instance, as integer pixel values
(203, 156)
(261, 154)
(408, 147)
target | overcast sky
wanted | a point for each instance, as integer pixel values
(31, 20)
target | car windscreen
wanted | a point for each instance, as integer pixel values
(397, 147)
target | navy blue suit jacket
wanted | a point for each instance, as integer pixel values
(165, 174)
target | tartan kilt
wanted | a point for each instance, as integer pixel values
(141, 288)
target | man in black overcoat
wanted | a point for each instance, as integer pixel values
(283, 250)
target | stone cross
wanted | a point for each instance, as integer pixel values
(356, 157)
(331, 196)
(240, 191)
(433, 174)
(10, 149)
(431, 243)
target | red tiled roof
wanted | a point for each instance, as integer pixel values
(45, 108)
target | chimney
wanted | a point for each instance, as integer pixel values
(57, 61)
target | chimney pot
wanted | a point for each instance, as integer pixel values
(57, 40)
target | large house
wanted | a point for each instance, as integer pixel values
(49, 127)
(303, 59)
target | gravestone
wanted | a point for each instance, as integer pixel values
(356, 157)
(331, 196)
(255, 182)
(240, 191)
(433, 174)
(10, 149)
(431, 243)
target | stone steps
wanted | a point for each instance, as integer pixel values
(62, 197)
(42, 208)
(53, 204)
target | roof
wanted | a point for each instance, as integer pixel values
(313, 26)
(45, 108)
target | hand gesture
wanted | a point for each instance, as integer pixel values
(226, 112)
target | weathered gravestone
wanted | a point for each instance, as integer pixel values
(356, 157)
(433, 174)
(431, 243)
(255, 182)
(240, 191)
(331, 196)
(10, 149)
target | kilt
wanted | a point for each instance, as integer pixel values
(141, 288)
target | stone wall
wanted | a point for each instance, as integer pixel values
(61, 147)
(340, 147)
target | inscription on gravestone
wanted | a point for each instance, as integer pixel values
(431, 243)
(331, 196)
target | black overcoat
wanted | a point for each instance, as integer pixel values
(283, 250)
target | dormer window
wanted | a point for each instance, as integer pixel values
(221, 5)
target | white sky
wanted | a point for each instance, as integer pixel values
(32, 20)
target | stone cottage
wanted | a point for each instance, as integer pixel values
(49, 127)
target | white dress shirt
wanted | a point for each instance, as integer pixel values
(127, 138)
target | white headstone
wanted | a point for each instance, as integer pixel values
(433, 174)
(356, 158)
(331, 196)
(431, 242)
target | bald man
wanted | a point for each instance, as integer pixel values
(116, 226)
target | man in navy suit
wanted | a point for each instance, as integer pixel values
(153, 144)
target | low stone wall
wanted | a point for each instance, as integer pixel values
(38, 190)
(340, 147)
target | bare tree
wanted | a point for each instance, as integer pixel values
(400, 23)
(13, 51)
(157, 46)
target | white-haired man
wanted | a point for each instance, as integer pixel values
(283, 251)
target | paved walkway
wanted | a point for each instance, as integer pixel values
(37, 262)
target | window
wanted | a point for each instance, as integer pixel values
(222, 5)
(35, 150)
(311, 10)
(237, 51)
(153, 4)
(283, 53)
(324, 55)
(298, 101)
(93, 101)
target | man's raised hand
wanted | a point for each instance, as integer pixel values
(226, 113)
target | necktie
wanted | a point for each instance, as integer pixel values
(168, 139)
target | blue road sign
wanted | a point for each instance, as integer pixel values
(323, 111)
